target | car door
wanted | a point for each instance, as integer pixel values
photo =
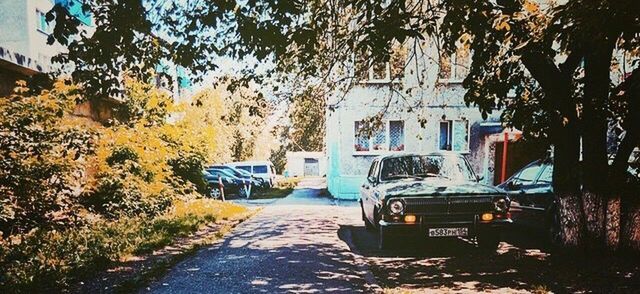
(520, 187)
(366, 191)
(541, 196)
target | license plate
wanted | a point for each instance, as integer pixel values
(448, 232)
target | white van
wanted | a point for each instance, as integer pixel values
(259, 169)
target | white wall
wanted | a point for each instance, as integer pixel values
(295, 162)
(19, 29)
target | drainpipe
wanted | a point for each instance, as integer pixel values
(503, 175)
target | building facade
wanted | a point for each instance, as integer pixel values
(23, 41)
(305, 164)
(420, 111)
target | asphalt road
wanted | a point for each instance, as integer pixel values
(292, 245)
(309, 243)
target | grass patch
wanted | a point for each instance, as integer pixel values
(272, 193)
(52, 260)
(283, 189)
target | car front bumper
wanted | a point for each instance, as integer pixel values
(421, 228)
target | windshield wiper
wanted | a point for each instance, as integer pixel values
(401, 177)
(429, 175)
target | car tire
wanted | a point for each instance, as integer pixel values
(488, 240)
(215, 193)
(385, 239)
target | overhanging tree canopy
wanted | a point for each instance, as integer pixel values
(555, 56)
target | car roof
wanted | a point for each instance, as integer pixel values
(258, 162)
(405, 154)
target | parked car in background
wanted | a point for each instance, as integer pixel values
(259, 169)
(532, 199)
(247, 177)
(432, 196)
(533, 203)
(232, 185)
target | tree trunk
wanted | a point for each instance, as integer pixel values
(571, 222)
(565, 138)
(613, 222)
(630, 233)
(594, 211)
(566, 186)
(597, 63)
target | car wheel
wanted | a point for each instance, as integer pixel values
(215, 193)
(385, 240)
(488, 240)
(367, 224)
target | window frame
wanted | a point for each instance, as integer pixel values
(453, 76)
(387, 139)
(450, 131)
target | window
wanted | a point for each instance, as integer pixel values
(389, 137)
(527, 175)
(547, 175)
(454, 135)
(41, 23)
(361, 139)
(455, 67)
(245, 168)
(377, 72)
(260, 169)
(396, 135)
(372, 170)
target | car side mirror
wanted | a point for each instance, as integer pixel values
(372, 180)
(512, 185)
(479, 178)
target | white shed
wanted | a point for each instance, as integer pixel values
(306, 164)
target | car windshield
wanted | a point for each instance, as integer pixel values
(452, 167)
(220, 172)
(243, 172)
(230, 170)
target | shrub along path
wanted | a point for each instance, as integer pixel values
(138, 270)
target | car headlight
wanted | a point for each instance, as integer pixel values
(501, 204)
(396, 206)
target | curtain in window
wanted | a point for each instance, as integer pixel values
(396, 135)
(445, 138)
(361, 142)
(461, 135)
(379, 139)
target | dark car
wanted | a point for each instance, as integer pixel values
(432, 195)
(532, 199)
(249, 179)
(533, 203)
(232, 185)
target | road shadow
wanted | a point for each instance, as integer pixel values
(284, 249)
(452, 265)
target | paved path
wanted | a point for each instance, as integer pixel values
(308, 243)
(292, 245)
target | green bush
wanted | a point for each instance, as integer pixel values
(47, 260)
(42, 152)
(188, 167)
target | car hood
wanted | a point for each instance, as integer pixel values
(435, 186)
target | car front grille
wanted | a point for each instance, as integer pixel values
(448, 204)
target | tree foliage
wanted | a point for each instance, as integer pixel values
(307, 117)
(548, 64)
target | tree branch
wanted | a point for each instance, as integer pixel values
(553, 81)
